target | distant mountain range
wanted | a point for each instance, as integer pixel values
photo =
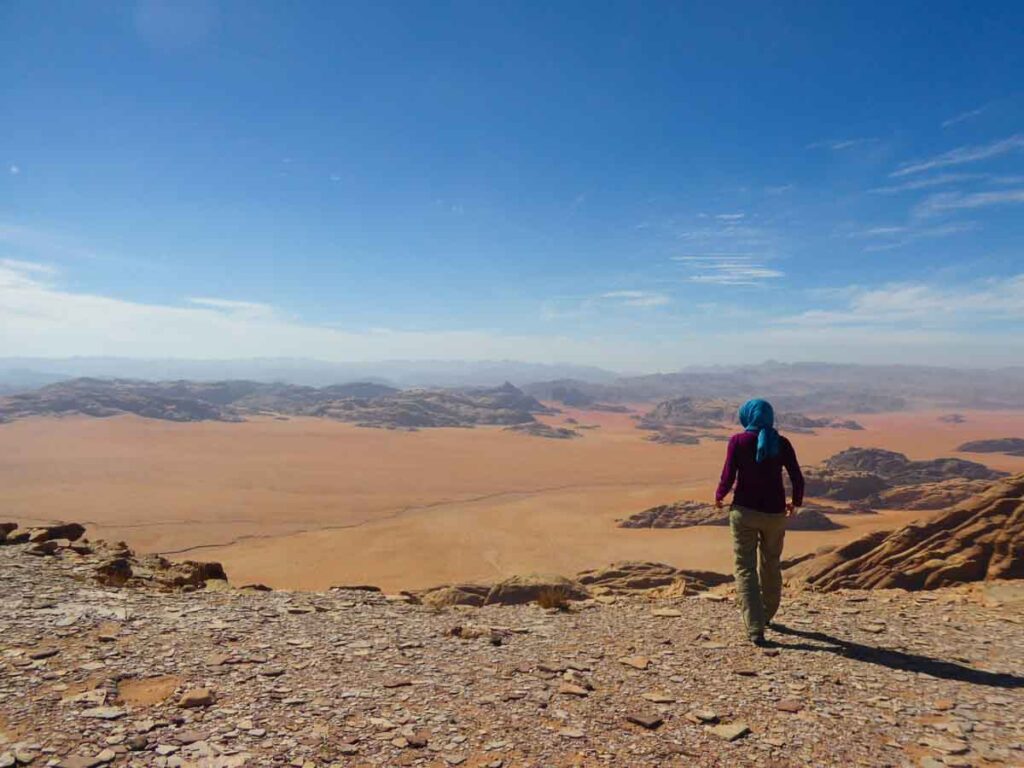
(363, 403)
(796, 387)
(809, 387)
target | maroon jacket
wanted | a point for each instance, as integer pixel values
(759, 486)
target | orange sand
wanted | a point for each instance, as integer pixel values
(308, 503)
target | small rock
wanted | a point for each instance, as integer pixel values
(648, 721)
(196, 697)
(104, 713)
(789, 705)
(730, 731)
(571, 733)
(658, 697)
(637, 662)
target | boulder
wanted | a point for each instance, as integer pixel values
(455, 594)
(114, 572)
(69, 531)
(518, 590)
(638, 576)
(678, 514)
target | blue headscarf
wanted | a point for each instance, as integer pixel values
(757, 415)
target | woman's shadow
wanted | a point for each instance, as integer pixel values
(887, 657)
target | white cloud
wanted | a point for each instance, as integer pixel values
(729, 216)
(841, 144)
(956, 201)
(244, 308)
(906, 305)
(14, 170)
(727, 269)
(961, 155)
(964, 116)
(930, 181)
(637, 298)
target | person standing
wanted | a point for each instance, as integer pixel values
(754, 461)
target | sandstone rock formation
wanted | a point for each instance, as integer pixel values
(941, 495)
(1012, 446)
(538, 429)
(630, 577)
(683, 514)
(865, 474)
(982, 538)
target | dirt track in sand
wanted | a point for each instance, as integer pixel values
(308, 503)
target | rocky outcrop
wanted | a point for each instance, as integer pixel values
(629, 577)
(867, 474)
(689, 412)
(1011, 446)
(683, 514)
(678, 514)
(980, 539)
(841, 485)
(538, 429)
(519, 590)
(896, 469)
(926, 496)
(112, 564)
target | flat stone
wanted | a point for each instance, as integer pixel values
(789, 705)
(648, 721)
(658, 697)
(569, 689)
(44, 653)
(104, 713)
(667, 613)
(702, 716)
(196, 697)
(571, 733)
(730, 731)
(637, 662)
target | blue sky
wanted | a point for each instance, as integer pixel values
(641, 186)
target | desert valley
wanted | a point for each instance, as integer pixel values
(294, 490)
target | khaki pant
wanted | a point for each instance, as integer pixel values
(757, 541)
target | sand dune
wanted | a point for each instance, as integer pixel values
(307, 503)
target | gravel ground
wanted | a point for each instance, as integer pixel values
(91, 675)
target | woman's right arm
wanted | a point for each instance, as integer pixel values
(728, 472)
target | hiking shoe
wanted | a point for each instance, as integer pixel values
(759, 640)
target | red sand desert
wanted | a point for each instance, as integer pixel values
(309, 503)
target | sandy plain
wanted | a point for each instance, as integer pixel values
(310, 503)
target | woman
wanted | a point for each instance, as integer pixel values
(754, 460)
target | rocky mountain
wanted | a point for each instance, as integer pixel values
(648, 668)
(867, 474)
(981, 538)
(677, 420)
(815, 387)
(1012, 446)
(363, 403)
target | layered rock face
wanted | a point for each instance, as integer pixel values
(871, 474)
(1011, 446)
(981, 539)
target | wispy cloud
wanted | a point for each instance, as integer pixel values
(33, 267)
(955, 201)
(964, 116)
(922, 305)
(886, 238)
(637, 298)
(961, 155)
(242, 308)
(14, 170)
(838, 145)
(927, 182)
(730, 216)
(727, 269)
